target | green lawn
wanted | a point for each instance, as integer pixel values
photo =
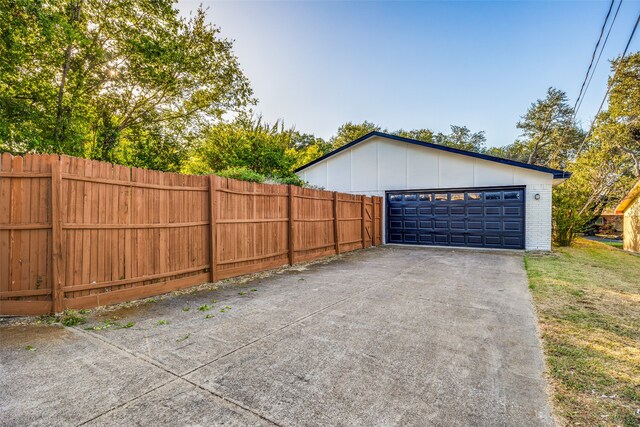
(618, 245)
(588, 303)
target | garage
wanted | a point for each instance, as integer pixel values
(443, 196)
(472, 217)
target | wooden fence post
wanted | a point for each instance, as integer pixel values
(336, 222)
(57, 265)
(292, 249)
(213, 181)
(363, 230)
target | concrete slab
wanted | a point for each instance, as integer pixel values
(388, 336)
(66, 378)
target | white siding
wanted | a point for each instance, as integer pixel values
(380, 164)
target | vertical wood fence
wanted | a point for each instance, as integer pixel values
(77, 233)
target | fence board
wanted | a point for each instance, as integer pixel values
(78, 233)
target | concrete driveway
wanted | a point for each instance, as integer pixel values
(385, 336)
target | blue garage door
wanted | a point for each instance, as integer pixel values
(487, 217)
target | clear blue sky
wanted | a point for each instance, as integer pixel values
(417, 64)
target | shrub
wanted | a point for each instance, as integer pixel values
(242, 173)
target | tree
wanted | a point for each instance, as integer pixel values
(349, 132)
(597, 181)
(246, 142)
(424, 135)
(84, 74)
(463, 139)
(550, 136)
(620, 124)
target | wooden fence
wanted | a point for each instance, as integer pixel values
(77, 233)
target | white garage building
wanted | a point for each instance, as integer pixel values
(436, 195)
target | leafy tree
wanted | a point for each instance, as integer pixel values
(245, 142)
(81, 76)
(620, 125)
(597, 180)
(550, 136)
(350, 131)
(425, 135)
(462, 138)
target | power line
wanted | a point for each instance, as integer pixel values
(613, 78)
(613, 21)
(593, 55)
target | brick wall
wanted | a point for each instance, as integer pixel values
(538, 217)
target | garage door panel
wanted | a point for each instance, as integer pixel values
(475, 210)
(513, 211)
(458, 225)
(458, 239)
(441, 224)
(492, 210)
(492, 225)
(395, 225)
(410, 225)
(457, 210)
(441, 210)
(425, 238)
(512, 226)
(473, 217)
(515, 242)
(426, 225)
(474, 240)
(474, 225)
(410, 238)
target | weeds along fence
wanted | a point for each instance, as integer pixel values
(77, 233)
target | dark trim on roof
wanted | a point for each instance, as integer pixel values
(557, 174)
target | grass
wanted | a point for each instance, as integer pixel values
(588, 303)
(618, 245)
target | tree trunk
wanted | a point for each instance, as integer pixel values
(57, 133)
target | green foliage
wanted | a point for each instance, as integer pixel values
(72, 318)
(350, 131)
(122, 81)
(245, 142)
(550, 136)
(251, 150)
(620, 125)
(607, 166)
(463, 139)
(242, 173)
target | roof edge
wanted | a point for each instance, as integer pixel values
(557, 173)
(630, 197)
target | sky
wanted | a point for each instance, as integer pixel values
(319, 64)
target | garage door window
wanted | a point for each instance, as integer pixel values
(425, 197)
(512, 195)
(442, 197)
(410, 197)
(457, 196)
(395, 197)
(492, 196)
(474, 196)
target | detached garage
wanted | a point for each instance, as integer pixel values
(436, 195)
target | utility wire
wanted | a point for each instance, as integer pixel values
(613, 78)
(613, 21)
(593, 55)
